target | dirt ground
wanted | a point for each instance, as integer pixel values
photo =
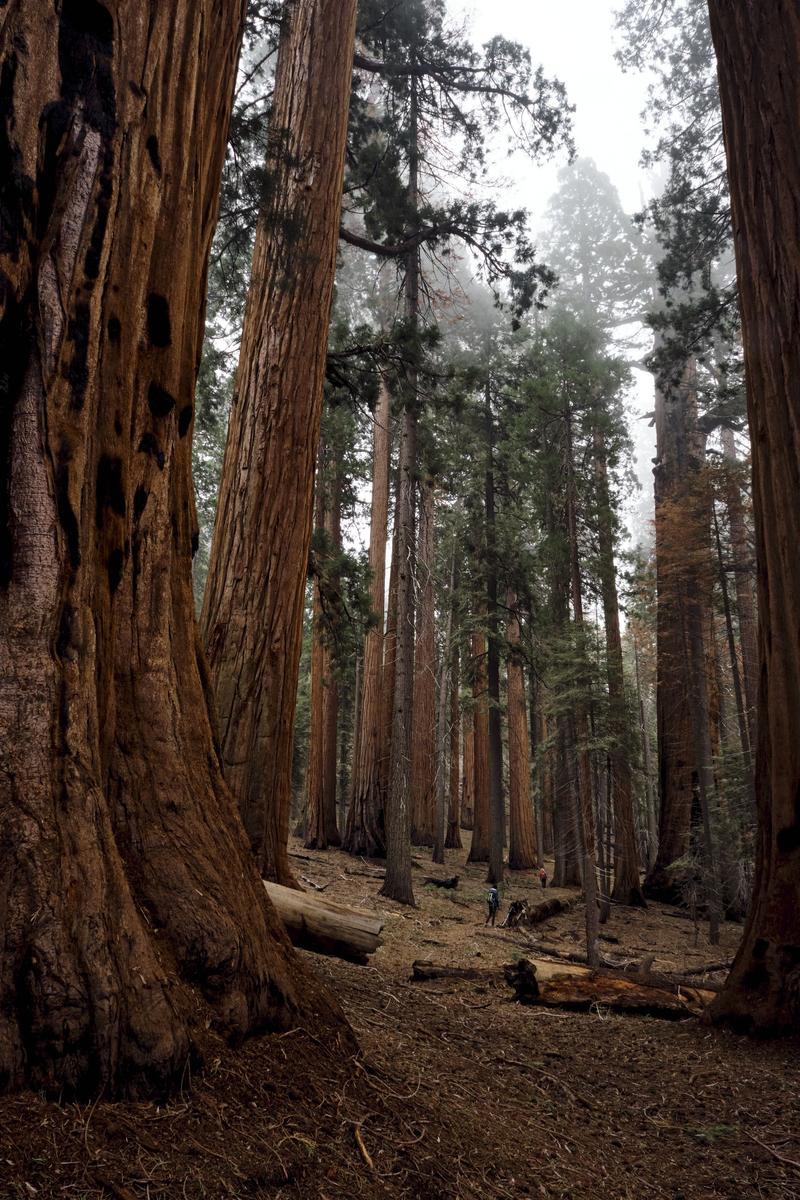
(458, 1091)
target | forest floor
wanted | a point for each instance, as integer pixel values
(458, 1090)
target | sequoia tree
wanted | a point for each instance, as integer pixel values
(253, 603)
(364, 833)
(758, 54)
(127, 887)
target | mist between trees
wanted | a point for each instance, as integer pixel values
(369, 580)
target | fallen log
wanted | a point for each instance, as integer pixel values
(452, 882)
(423, 971)
(561, 985)
(315, 923)
(522, 913)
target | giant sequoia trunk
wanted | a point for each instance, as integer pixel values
(758, 52)
(676, 433)
(522, 851)
(365, 832)
(253, 602)
(423, 745)
(127, 887)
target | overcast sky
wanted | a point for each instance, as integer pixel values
(575, 41)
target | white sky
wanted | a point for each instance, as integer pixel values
(575, 41)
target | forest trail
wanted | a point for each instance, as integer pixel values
(459, 1091)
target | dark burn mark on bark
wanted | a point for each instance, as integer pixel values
(85, 48)
(77, 373)
(115, 566)
(149, 445)
(117, 425)
(66, 513)
(16, 339)
(760, 948)
(16, 188)
(64, 638)
(195, 541)
(91, 263)
(109, 490)
(185, 420)
(158, 324)
(139, 501)
(152, 150)
(114, 329)
(161, 402)
(788, 840)
(757, 977)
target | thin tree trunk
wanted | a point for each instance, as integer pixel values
(745, 605)
(585, 799)
(365, 828)
(650, 799)
(253, 603)
(389, 658)
(758, 53)
(330, 700)
(133, 915)
(424, 739)
(522, 849)
(479, 846)
(497, 813)
(453, 839)
(442, 779)
(468, 776)
(627, 889)
(315, 832)
(741, 715)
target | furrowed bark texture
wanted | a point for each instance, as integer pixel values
(522, 850)
(758, 55)
(125, 879)
(423, 745)
(253, 602)
(675, 433)
(365, 831)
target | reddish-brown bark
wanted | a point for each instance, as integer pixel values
(745, 602)
(627, 889)
(423, 741)
(126, 888)
(468, 774)
(453, 838)
(365, 832)
(522, 850)
(253, 602)
(479, 847)
(758, 54)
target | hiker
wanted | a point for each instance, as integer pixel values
(543, 877)
(493, 899)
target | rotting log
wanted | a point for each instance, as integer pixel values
(452, 882)
(522, 913)
(314, 923)
(579, 988)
